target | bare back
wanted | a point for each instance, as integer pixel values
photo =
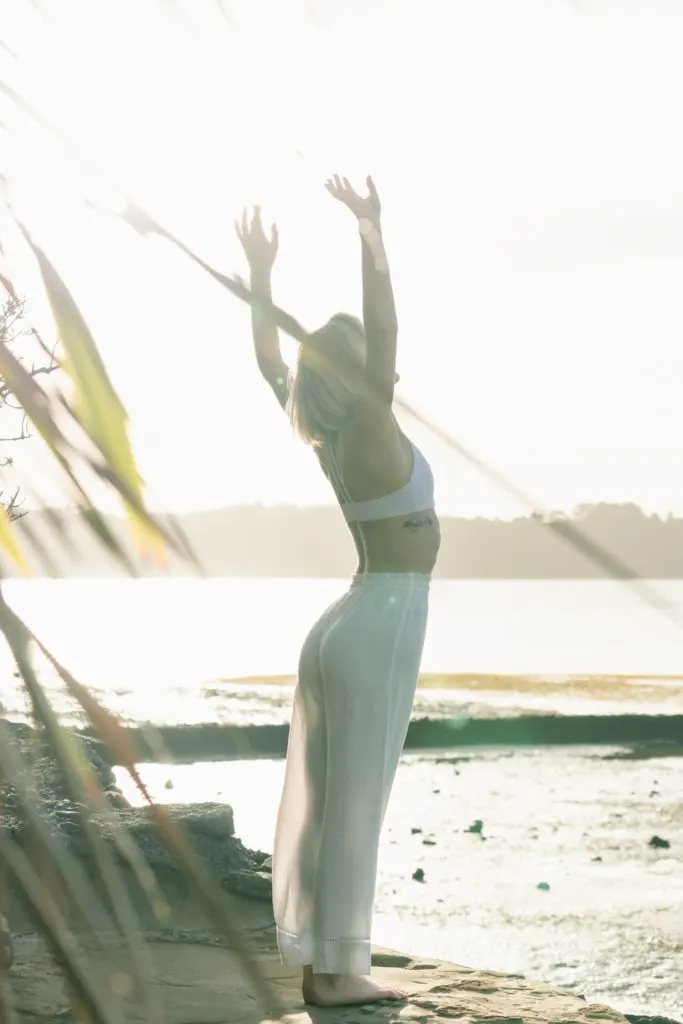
(374, 465)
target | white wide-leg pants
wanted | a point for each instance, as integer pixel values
(357, 677)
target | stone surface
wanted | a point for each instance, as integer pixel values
(210, 831)
(44, 777)
(195, 981)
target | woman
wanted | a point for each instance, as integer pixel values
(359, 664)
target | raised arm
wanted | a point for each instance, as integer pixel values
(261, 252)
(379, 310)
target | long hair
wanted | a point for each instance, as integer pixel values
(319, 399)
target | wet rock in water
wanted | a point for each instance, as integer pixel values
(596, 858)
(657, 843)
(429, 842)
(414, 830)
(169, 784)
(418, 875)
(435, 791)
(543, 886)
(654, 792)
(476, 827)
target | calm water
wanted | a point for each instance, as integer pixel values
(156, 646)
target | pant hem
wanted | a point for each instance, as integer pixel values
(328, 956)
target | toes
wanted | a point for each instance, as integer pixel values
(395, 994)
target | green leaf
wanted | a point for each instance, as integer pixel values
(97, 405)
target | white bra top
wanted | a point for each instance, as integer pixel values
(416, 495)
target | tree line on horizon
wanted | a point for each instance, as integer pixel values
(284, 540)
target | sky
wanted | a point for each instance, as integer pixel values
(529, 156)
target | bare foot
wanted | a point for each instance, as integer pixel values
(345, 990)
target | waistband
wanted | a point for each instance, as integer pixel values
(391, 580)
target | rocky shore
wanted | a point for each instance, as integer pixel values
(198, 977)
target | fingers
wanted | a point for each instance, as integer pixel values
(274, 237)
(371, 186)
(341, 187)
(241, 226)
(246, 226)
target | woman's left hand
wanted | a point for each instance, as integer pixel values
(364, 208)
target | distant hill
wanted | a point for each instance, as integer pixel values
(288, 541)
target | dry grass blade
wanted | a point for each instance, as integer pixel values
(56, 931)
(118, 897)
(214, 900)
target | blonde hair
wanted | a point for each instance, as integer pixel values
(319, 399)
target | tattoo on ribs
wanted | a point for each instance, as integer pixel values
(417, 524)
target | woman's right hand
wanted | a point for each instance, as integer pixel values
(259, 249)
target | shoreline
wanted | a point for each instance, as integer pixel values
(195, 972)
(651, 735)
(572, 892)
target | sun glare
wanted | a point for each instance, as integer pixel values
(526, 223)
